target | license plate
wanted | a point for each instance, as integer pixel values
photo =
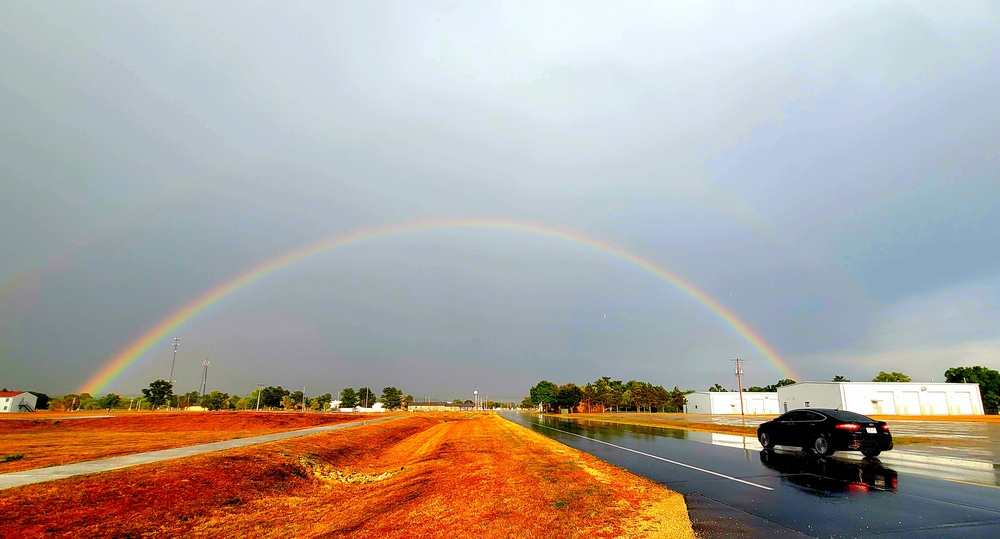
(870, 430)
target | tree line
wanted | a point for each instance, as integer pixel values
(160, 394)
(605, 394)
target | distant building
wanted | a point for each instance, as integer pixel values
(377, 407)
(885, 398)
(17, 401)
(728, 402)
(439, 406)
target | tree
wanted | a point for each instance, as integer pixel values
(296, 399)
(839, 378)
(773, 387)
(717, 388)
(407, 400)
(109, 401)
(526, 402)
(568, 396)
(988, 380)
(158, 392)
(348, 398)
(191, 398)
(392, 398)
(891, 377)
(215, 400)
(543, 394)
(323, 401)
(589, 396)
(42, 402)
(366, 397)
(676, 400)
(271, 396)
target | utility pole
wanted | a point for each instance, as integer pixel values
(475, 392)
(303, 397)
(204, 378)
(739, 380)
(260, 389)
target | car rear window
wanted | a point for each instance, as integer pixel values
(844, 415)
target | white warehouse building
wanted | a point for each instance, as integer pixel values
(728, 402)
(884, 398)
(17, 401)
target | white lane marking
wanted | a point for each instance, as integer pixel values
(674, 462)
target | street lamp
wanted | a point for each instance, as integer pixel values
(475, 392)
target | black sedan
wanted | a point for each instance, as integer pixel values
(825, 431)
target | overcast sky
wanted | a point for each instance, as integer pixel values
(829, 172)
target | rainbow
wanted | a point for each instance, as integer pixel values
(130, 354)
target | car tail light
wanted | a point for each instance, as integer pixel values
(849, 426)
(885, 428)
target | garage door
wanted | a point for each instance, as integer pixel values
(934, 402)
(908, 403)
(884, 403)
(961, 403)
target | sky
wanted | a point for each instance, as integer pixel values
(826, 174)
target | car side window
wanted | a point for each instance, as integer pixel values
(812, 416)
(793, 416)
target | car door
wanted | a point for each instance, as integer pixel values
(810, 427)
(786, 427)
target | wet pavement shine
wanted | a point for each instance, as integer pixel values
(734, 489)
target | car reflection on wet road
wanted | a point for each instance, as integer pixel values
(734, 490)
(825, 475)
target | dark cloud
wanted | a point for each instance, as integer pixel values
(825, 172)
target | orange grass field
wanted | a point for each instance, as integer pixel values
(54, 439)
(423, 475)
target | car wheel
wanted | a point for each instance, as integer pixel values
(765, 440)
(871, 452)
(822, 446)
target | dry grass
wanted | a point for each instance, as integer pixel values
(51, 440)
(427, 475)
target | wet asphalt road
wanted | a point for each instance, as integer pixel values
(735, 490)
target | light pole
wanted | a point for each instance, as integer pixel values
(260, 389)
(475, 392)
(204, 379)
(177, 342)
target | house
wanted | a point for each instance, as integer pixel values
(728, 402)
(17, 401)
(885, 398)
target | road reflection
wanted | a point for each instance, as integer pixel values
(826, 476)
(902, 459)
